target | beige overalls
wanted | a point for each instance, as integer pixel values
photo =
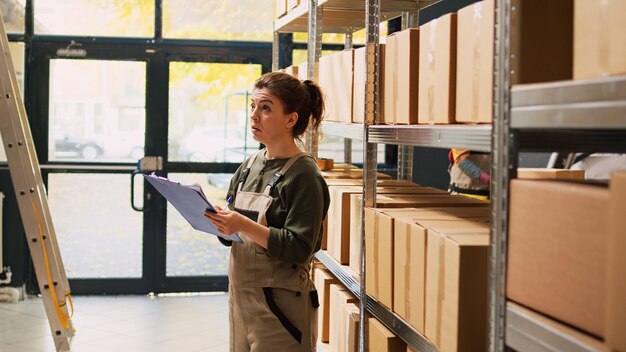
(273, 304)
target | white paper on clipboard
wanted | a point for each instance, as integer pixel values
(190, 202)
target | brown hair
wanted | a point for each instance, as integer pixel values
(302, 97)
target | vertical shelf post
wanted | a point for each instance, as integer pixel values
(314, 51)
(502, 169)
(347, 142)
(372, 64)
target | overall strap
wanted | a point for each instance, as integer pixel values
(246, 171)
(285, 168)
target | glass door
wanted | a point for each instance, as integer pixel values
(96, 130)
(207, 135)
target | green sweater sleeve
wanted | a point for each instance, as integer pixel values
(305, 200)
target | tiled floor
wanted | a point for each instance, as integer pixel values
(123, 323)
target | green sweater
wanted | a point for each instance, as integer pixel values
(300, 204)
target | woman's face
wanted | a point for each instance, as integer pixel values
(268, 120)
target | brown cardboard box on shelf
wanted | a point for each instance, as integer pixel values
(615, 308)
(340, 297)
(379, 238)
(355, 225)
(292, 70)
(351, 174)
(280, 8)
(543, 50)
(547, 174)
(560, 329)
(409, 267)
(342, 224)
(438, 272)
(336, 79)
(382, 339)
(599, 43)
(353, 314)
(474, 75)
(323, 281)
(437, 71)
(465, 294)
(401, 73)
(358, 100)
(557, 250)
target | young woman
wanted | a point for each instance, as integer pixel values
(279, 201)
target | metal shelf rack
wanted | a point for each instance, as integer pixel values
(476, 138)
(340, 16)
(568, 116)
(399, 326)
(529, 331)
(345, 16)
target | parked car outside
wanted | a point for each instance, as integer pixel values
(215, 144)
(82, 148)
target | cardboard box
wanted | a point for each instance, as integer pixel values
(439, 273)
(409, 272)
(336, 78)
(550, 174)
(351, 174)
(353, 328)
(358, 99)
(292, 70)
(382, 339)
(615, 308)
(543, 50)
(465, 293)
(355, 222)
(379, 258)
(437, 71)
(599, 42)
(340, 297)
(409, 268)
(557, 250)
(280, 8)
(401, 77)
(340, 226)
(323, 281)
(474, 75)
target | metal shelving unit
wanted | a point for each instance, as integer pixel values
(476, 138)
(340, 16)
(529, 331)
(568, 116)
(346, 16)
(399, 326)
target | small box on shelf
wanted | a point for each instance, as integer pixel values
(401, 73)
(437, 71)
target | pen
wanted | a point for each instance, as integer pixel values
(228, 202)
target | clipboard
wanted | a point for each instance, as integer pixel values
(190, 202)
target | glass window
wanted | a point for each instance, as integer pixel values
(99, 239)
(111, 18)
(217, 20)
(208, 111)
(17, 55)
(14, 15)
(191, 252)
(97, 110)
